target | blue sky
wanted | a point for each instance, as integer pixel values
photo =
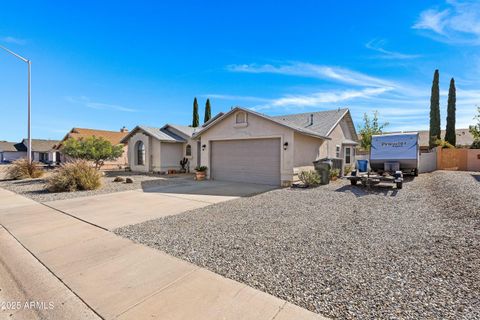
(109, 64)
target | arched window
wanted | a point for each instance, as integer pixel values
(188, 150)
(140, 149)
(241, 117)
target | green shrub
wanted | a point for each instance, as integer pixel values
(475, 144)
(74, 176)
(22, 169)
(334, 173)
(200, 168)
(310, 178)
(347, 170)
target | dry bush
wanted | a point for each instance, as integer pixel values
(23, 169)
(310, 178)
(74, 176)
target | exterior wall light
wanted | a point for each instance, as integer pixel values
(285, 146)
(203, 147)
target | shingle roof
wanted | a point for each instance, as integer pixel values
(41, 145)
(161, 134)
(12, 146)
(186, 130)
(113, 136)
(323, 121)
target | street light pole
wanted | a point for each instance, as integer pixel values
(29, 63)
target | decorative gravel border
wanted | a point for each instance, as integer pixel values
(34, 188)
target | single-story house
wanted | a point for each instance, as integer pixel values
(114, 137)
(11, 151)
(247, 146)
(43, 150)
(161, 149)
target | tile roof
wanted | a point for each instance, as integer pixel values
(41, 145)
(113, 136)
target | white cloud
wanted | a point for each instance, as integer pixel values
(336, 74)
(85, 101)
(458, 24)
(13, 40)
(378, 45)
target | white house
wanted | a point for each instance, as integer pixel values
(11, 151)
(161, 149)
(246, 146)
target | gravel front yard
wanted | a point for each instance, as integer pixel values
(341, 251)
(34, 188)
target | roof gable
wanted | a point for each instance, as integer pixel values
(326, 121)
(161, 134)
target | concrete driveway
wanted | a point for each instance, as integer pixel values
(114, 210)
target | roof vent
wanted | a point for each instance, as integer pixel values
(311, 119)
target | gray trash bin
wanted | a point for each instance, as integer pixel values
(323, 167)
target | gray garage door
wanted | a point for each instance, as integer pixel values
(253, 161)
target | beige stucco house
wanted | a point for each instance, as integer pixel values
(246, 146)
(161, 149)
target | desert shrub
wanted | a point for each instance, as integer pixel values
(74, 176)
(334, 173)
(310, 178)
(23, 169)
(444, 144)
(347, 170)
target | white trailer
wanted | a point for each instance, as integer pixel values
(391, 155)
(395, 152)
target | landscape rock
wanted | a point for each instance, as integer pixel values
(129, 180)
(343, 251)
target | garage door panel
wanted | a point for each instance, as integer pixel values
(253, 161)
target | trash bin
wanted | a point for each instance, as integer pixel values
(323, 167)
(362, 165)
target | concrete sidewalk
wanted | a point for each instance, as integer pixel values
(120, 279)
(28, 290)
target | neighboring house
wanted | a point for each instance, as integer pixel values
(246, 146)
(43, 150)
(11, 151)
(114, 137)
(161, 149)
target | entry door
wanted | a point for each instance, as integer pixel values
(348, 155)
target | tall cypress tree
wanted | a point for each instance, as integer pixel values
(195, 121)
(208, 111)
(450, 135)
(435, 110)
